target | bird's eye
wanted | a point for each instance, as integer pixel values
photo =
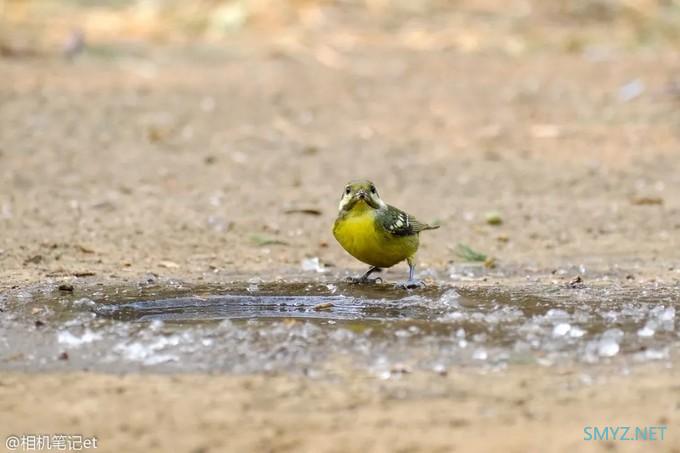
(373, 189)
(347, 190)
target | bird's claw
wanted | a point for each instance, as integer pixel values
(363, 280)
(410, 284)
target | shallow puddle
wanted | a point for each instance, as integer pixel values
(251, 327)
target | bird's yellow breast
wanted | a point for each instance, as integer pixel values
(364, 238)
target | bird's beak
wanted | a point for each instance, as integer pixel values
(366, 198)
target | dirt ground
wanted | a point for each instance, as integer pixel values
(192, 163)
(524, 411)
(184, 168)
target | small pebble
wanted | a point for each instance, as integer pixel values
(323, 306)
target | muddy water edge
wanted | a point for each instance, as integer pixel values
(453, 359)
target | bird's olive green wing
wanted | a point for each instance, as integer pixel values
(399, 223)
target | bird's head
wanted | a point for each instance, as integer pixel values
(360, 194)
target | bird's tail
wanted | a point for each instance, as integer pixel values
(431, 227)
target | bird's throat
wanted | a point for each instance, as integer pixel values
(359, 208)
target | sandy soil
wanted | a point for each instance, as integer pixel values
(528, 410)
(182, 164)
(126, 167)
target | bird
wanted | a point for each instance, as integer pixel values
(376, 233)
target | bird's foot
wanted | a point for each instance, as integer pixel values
(363, 280)
(410, 284)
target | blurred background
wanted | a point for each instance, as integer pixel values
(165, 144)
(514, 27)
(144, 118)
(543, 112)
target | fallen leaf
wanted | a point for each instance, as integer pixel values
(308, 211)
(493, 218)
(84, 274)
(310, 150)
(168, 264)
(261, 240)
(84, 249)
(646, 201)
(467, 254)
(35, 259)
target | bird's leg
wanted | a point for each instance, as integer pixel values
(411, 282)
(365, 278)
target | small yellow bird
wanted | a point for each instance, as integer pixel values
(376, 233)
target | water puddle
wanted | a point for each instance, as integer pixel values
(255, 326)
